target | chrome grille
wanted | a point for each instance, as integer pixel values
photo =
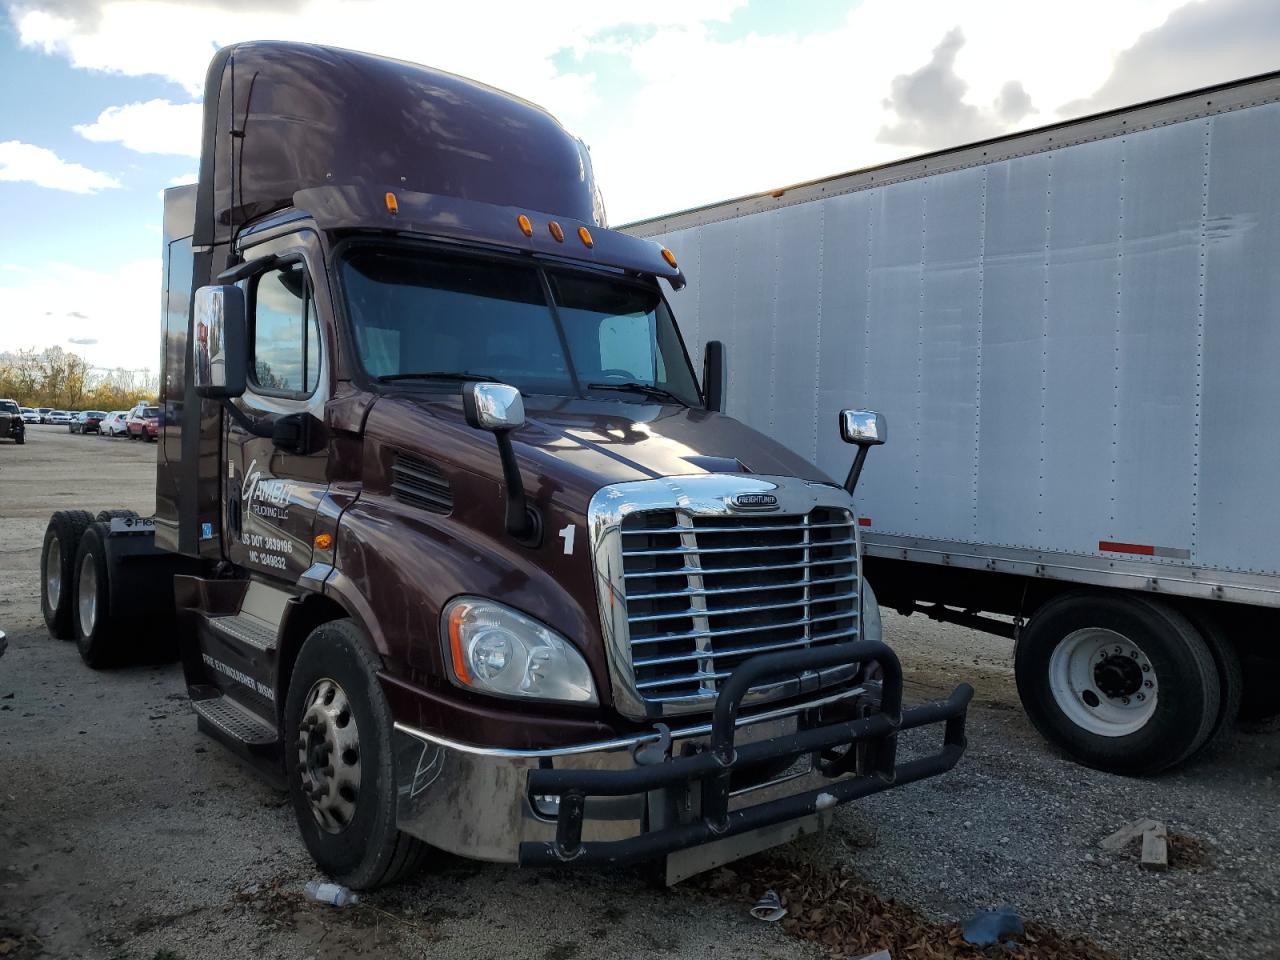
(705, 592)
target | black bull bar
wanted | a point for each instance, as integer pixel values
(712, 769)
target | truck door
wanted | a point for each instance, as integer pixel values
(272, 492)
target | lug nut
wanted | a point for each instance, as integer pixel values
(1125, 701)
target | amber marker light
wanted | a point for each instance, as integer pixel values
(455, 638)
(323, 541)
(556, 231)
(525, 226)
(670, 257)
(393, 207)
(585, 236)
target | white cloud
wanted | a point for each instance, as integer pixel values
(156, 126)
(183, 179)
(61, 302)
(26, 163)
(699, 119)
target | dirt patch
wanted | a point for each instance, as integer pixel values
(835, 910)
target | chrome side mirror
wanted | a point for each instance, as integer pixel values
(866, 429)
(499, 408)
(863, 427)
(217, 348)
(496, 407)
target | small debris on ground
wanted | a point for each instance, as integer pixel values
(1127, 834)
(769, 908)
(988, 927)
(834, 909)
(1155, 848)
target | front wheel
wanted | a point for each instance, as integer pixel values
(339, 761)
(1121, 683)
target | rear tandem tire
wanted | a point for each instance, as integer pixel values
(106, 516)
(96, 633)
(335, 681)
(1080, 643)
(57, 593)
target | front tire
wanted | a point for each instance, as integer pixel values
(339, 761)
(1121, 683)
(57, 570)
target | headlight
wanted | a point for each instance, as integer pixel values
(871, 626)
(493, 649)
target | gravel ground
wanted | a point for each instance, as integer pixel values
(123, 832)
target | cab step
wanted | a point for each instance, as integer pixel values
(230, 720)
(247, 629)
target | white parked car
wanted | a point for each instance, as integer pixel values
(114, 424)
(62, 417)
(29, 415)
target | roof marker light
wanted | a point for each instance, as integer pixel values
(392, 206)
(525, 226)
(670, 257)
(585, 236)
(556, 231)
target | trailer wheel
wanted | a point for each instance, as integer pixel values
(1121, 683)
(339, 761)
(57, 570)
(1230, 681)
(95, 626)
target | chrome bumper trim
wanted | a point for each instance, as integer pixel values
(622, 743)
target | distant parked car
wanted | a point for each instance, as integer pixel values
(62, 417)
(44, 413)
(11, 425)
(144, 422)
(115, 424)
(29, 415)
(87, 421)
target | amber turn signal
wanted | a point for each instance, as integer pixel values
(556, 231)
(393, 207)
(525, 226)
(585, 236)
(670, 257)
(323, 541)
(457, 654)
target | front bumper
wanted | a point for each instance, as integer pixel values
(663, 792)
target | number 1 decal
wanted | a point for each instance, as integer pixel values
(567, 535)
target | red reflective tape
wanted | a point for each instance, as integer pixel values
(1145, 549)
(864, 521)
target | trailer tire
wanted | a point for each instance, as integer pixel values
(1159, 685)
(1230, 682)
(57, 595)
(347, 823)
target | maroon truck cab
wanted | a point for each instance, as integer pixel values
(464, 550)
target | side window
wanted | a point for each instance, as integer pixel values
(286, 333)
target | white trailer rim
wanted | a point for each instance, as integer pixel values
(1103, 682)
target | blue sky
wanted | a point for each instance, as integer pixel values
(683, 102)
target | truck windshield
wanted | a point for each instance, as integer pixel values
(418, 313)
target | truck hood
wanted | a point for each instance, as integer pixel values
(570, 448)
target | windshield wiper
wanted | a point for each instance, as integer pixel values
(645, 389)
(463, 376)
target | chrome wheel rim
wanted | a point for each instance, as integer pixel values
(329, 755)
(87, 601)
(53, 573)
(1103, 682)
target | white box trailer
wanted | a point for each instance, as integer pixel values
(1074, 335)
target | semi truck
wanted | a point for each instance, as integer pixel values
(1075, 332)
(450, 538)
